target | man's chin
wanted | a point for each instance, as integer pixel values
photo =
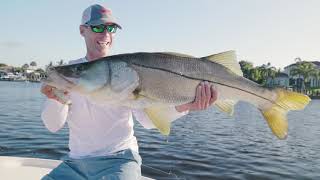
(103, 52)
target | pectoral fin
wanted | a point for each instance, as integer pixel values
(160, 118)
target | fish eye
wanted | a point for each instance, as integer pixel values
(78, 69)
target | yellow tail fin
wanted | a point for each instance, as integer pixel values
(276, 114)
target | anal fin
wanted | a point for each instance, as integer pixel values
(226, 106)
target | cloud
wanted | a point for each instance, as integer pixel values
(11, 44)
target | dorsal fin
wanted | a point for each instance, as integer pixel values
(227, 59)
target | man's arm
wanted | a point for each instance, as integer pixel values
(54, 113)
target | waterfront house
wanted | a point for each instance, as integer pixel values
(280, 80)
(35, 77)
(296, 81)
(32, 75)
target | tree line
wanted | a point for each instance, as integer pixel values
(23, 68)
(302, 70)
(33, 64)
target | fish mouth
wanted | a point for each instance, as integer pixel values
(59, 81)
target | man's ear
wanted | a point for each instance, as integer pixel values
(81, 29)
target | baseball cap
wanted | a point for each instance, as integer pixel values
(96, 15)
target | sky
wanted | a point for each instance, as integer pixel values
(275, 31)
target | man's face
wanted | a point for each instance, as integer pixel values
(97, 43)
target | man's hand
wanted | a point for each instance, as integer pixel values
(48, 91)
(205, 96)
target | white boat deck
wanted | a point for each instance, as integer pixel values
(17, 168)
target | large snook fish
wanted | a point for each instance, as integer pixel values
(156, 81)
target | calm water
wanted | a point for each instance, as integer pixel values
(203, 145)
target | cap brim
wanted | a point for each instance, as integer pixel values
(103, 21)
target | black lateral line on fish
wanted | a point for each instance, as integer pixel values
(205, 80)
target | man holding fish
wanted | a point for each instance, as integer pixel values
(101, 137)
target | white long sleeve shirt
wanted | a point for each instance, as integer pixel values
(95, 129)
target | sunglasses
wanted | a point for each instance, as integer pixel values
(111, 28)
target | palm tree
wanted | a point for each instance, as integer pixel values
(272, 71)
(255, 75)
(33, 63)
(303, 69)
(266, 70)
(317, 76)
(246, 67)
(18, 69)
(25, 66)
